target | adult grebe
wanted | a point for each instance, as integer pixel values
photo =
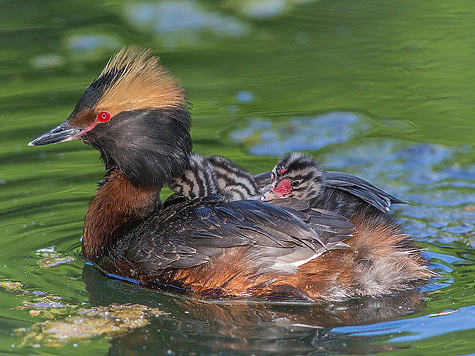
(136, 115)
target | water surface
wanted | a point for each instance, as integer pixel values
(380, 89)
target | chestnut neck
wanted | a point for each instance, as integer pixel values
(117, 207)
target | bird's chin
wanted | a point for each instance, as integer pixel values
(61, 133)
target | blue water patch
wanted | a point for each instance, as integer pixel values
(300, 133)
(244, 97)
(428, 176)
(179, 24)
(439, 189)
(416, 328)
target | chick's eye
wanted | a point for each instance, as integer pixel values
(103, 116)
(295, 183)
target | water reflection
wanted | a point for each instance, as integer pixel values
(177, 24)
(264, 137)
(421, 328)
(237, 325)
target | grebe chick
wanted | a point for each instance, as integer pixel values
(233, 181)
(215, 175)
(299, 176)
(136, 115)
(198, 180)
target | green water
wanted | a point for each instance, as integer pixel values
(382, 89)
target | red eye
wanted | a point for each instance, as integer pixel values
(103, 116)
(283, 170)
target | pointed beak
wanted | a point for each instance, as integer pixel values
(270, 195)
(61, 133)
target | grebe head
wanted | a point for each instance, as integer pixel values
(295, 176)
(135, 113)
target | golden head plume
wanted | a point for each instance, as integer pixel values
(138, 81)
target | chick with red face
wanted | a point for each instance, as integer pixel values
(299, 176)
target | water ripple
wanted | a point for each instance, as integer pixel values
(300, 133)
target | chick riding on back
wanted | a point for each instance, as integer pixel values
(215, 175)
(297, 175)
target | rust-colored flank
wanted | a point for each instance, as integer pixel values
(378, 262)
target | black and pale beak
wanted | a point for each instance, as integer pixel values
(270, 195)
(61, 133)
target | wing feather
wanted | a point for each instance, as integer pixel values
(361, 189)
(191, 233)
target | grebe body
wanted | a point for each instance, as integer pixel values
(136, 115)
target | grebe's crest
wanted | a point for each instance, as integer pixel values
(138, 81)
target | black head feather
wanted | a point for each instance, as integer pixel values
(149, 146)
(95, 92)
(148, 135)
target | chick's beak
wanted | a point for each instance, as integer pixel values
(270, 195)
(61, 133)
(280, 190)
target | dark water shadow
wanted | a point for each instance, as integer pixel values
(226, 326)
